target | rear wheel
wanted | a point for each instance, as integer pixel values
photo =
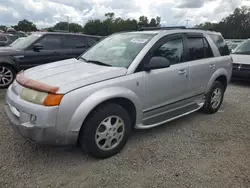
(214, 98)
(106, 131)
(7, 76)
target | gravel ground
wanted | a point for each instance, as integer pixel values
(195, 151)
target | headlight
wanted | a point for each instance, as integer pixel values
(41, 98)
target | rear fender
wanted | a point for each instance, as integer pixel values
(217, 73)
(99, 97)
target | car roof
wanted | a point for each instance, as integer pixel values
(171, 31)
(65, 33)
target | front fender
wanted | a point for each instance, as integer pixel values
(217, 73)
(9, 61)
(101, 96)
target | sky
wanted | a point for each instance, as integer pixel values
(46, 13)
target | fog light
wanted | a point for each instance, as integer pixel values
(32, 119)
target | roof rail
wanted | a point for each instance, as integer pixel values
(160, 28)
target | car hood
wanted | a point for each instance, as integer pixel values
(241, 59)
(72, 73)
(9, 51)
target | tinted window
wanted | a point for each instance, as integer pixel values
(50, 42)
(172, 50)
(3, 38)
(195, 49)
(208, 50)
(221, 44)
(70, 41)
(91, 41)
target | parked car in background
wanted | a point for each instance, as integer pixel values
(41, 48)
(128, 80)
(6, 39)
(241, 61)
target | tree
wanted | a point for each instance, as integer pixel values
(63, 26)
(143, 21)
(236, 25)
(158, 21)
(152, 23)
(25, 25)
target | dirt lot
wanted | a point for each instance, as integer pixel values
(195, 151)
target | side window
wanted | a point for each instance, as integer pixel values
(71, 41)
(195, 49)
(172, 50)
(3, 39)
(51, 42)
(91, 41)
(208, 50)
(221, 44)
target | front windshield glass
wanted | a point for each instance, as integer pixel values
(16, 41)
(244, 48)
(22, 44)
(118, 50)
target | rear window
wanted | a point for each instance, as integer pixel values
(73, 41)
(221, 44)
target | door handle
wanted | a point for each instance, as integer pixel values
(181, 72)
(212, 66)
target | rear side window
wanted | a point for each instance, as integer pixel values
(195, 49)
(221, 44)
(3, 38)
(71, 41)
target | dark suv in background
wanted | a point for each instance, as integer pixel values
(40, 48)
(5, 39)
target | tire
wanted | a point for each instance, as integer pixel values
(7, 76)
(102, 120)
(209, 106)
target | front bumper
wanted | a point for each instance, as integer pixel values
(44, 129)
(241, 71)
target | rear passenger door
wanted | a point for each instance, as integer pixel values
(201, 62)
(73, 46)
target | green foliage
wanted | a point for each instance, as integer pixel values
(112, 25)
(236, 25)
(25, 25)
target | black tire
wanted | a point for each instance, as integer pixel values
(9, 71)
(87, 137)
(208, 108)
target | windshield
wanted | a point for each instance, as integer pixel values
(22, 44)
(118, 50)
(16, 41)
(244, 48)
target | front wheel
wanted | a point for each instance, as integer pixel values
(106, 131)
(7, 76)
(214, 98)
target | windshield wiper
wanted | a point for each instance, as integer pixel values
(99, 63)
(84, 59)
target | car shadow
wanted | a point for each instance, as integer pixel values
(237, 82)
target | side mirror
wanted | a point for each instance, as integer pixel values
(37, 47)
(157, 62)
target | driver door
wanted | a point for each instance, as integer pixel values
(49, 53)
(166, 87)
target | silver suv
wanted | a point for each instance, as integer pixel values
(128, 80)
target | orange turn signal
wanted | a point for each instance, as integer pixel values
(52, 100)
